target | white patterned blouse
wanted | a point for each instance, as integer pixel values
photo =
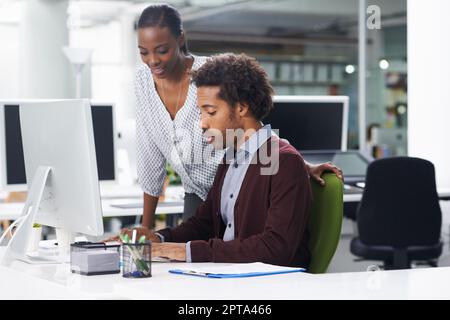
(159, 139)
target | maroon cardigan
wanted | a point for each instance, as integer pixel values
(270, 215)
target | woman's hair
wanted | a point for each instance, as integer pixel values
(241, 80)
(163, 15)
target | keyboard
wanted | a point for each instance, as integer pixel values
(349, 189)
(134, 205)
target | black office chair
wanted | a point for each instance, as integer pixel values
(399, 217)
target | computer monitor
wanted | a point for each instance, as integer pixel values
(352, 163)
(63, 188)
(12, 167)
(105, 139)
(311, 122)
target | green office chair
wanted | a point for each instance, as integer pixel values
(325, 221)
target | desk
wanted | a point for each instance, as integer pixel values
(444, 194)
(351, 201)
(22, 281)
(114, 195)
(11, 211)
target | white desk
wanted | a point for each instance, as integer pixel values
(442, 193)
(114, 195)
(400, 284)
(11, 211)
(22, 281)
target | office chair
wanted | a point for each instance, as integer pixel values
(399, 218)
(325, 221)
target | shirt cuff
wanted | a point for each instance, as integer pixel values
(160, 236)
(188, 252)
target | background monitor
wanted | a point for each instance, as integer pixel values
(12, 167)
(103, 120)
(352, 163)
(311, 122)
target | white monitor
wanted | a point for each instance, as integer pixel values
(12, 166)
(63, 189)
(311, 122)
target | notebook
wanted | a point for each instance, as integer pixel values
(236, 270)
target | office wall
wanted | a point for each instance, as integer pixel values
(429, 84)
(9, 61)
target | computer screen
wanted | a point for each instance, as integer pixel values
(311, 122)
(103, 122)
(12, 161)
(15, 166)
(352, 163)
(61, 166)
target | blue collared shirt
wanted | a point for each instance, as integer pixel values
(235, 176)
(239, 162)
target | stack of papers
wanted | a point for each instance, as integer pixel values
(236, 270)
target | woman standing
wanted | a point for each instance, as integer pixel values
(167, 117)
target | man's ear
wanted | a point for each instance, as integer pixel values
(243, 109)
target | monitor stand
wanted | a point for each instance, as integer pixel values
(18, 245)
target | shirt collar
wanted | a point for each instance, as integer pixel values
(251, 146)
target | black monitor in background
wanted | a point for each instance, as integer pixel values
(104, 131)
(311, 122)
(14, 161)
(103, 123)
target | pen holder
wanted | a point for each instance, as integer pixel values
(136, 260)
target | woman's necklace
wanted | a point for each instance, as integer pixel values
(180, 86)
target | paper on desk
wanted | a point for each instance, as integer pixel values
(236, 270)
(160, 259)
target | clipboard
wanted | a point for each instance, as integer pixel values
(236, 271)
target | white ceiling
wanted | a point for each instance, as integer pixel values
(230, 16)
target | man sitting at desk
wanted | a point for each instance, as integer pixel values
(257, 208)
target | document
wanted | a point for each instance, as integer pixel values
(237, 270)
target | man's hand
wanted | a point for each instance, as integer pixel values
(140, 231)
(316, 170)
(173, 251)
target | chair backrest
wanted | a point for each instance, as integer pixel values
(325, 221)
(400, 204)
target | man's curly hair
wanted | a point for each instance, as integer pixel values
(241, 80)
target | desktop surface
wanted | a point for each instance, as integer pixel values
(22, 280)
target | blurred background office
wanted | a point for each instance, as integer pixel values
(308, 47)
(364, 49)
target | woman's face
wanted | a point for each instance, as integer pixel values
(159, 49)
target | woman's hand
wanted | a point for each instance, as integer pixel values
(316, 170)
(140, 231)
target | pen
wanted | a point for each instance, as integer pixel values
(133, 239)
(196, 273)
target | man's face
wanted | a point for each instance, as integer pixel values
(216, 117)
